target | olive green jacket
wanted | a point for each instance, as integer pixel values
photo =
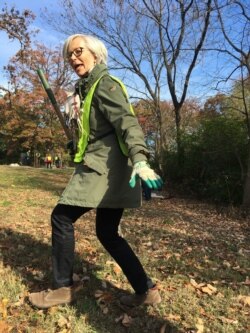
(102, 178)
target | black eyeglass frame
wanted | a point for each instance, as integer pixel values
(77, 52)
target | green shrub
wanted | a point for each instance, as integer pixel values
(213, 160)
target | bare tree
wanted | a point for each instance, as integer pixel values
(176, 22)
(15, 24)
(234, 21)
(156, 44)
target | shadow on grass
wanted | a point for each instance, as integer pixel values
(29, 258)
(208, 251)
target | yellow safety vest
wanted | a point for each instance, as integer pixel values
(84, 138)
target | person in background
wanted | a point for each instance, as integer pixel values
(37, 159)
(110, 160)
(57, 161)
(28, 158)
(49, 161)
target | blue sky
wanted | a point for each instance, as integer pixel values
(46, 36)
(200, 76)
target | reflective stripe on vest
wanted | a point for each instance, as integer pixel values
(85, 114)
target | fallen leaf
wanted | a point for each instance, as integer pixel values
(103, 296)
(247, 281)
(4, 328)
(62, 321)
(98, 293)
(173, 317)
(226, 264)
(199, 325)
(241, 251)
(208, 289)
(117, 269)
(3, 308)
(39, 276)
(194, 283)
(127, 320)
(51, 310)
(189, 249)
(228, 320)
(245, 300)
(205, 288)
(220, 295)
(105, 310)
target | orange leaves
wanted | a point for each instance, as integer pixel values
(244, 300)
(203, 287)
(115, 268)
(208, 289)
(173, 317)
(199, 326)
(64, 324)
(4, 327)
(176, 240)
(103, 299)
(3, 307)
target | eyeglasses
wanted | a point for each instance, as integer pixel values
(77, 52)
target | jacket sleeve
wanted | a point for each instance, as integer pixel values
(116, 109)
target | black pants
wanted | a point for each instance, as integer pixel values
(146, 191)
(107, 222)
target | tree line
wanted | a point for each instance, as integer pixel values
(156, 48)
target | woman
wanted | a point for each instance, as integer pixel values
(104, 178)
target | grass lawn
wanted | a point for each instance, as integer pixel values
(198, 256)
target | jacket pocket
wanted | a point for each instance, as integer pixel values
(95, 164)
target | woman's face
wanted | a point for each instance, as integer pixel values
(80, 58)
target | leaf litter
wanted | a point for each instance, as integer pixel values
(188, 247)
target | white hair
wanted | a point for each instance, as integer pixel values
(93, 44)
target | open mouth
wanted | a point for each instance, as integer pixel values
(77, 66)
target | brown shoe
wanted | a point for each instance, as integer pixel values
(48, 298)
(151, 297)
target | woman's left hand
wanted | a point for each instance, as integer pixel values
(143, 171)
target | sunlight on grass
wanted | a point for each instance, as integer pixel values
(199, 259)
(5, 203)
(11, 285)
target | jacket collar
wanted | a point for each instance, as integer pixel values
(83, 85)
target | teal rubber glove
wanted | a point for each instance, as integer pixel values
(143, 171)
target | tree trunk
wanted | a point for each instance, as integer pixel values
(178, 135)
(246, 195)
